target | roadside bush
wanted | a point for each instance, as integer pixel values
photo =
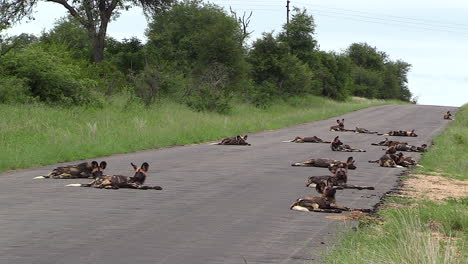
(14, 90)
(51, 76)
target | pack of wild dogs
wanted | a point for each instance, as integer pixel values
(325, 185)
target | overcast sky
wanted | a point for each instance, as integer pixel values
(430, 35)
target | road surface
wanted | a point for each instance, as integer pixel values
(220, 204)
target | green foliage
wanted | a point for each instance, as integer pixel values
(70, 33)
(331, 71)
(14, 90)
(363, 55)
(298, 35)
(193, 35)
(128, 55)
(277, 72)
(51, 75)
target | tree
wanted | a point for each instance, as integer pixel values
(94, 15)
(366, 56)
(299, 35)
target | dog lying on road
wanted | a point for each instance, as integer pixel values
(119, 181)
(339, 180)
(409, 148)
(388, 143)
(337, 145)
(237, 140)
(82, 170)
(326, 203)
(448, 116)
(312, 139)
(331, 164)
(400, 133)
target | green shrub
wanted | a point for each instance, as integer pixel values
(51, 75)
(14, 90)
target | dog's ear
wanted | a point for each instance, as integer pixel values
(245, 137)
(338, 121)
(336, 138)
(94, 164)
(134, 166)
(349, 160)
(103, 165)
(238, 137)
(145, 166)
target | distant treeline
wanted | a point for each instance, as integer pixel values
(198, 54)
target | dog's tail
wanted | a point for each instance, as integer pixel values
(287, 141)
(327, 142)
(215, 143)
(41, 177)
(373, 161)
(78, 185)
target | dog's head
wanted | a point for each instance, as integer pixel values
(391, 150)
(97, 170)
(350, 163)
(411, 133)
(140, 173)
(337, 141)
(242, 140)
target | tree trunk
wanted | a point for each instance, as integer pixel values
(98, 47)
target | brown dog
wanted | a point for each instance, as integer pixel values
(337, 145)
(119, 181)
(237, 140)
(312, 139)
(331, 164)
(326, 203)
(82, 170)
(339, 180)
(401, 133)
(448, 116)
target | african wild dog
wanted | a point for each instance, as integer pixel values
(337, 145)
(388, 143)
(339, 126)
(448, 116)
(237, 140)
(82, 170)
(331, 164)
(390, 159)
(405, 161)
(326, 203)
(401, 133)
(312, 139)
(339, 179)
(364, 131)
(409, 148)
(119, 181)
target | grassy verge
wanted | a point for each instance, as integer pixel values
(449, 154)
(37, 135)
(417, 231)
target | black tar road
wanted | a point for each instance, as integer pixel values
(220, 204)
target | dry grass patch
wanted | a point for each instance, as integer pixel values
(434, 188)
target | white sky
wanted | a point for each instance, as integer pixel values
(430, 35)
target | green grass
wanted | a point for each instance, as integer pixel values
(408, 235)
(449, 154)
(34, 135)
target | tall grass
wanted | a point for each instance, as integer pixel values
(33, 135)
(449, 154)
(408, 235)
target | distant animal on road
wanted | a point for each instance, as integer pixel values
(119, 181)
(448, 116)
(337, 145)
(339, 126)
(387, 142)
(237, 140)
(331, 164)
(312, 139)
(409, 148)
(82, 170)
(364, 131)
(400, 133)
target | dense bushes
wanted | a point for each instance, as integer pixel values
(194, 55)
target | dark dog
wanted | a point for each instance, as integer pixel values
(388, 143)
(337, 145)
(331, 164)
(119, 181)
(326, 203)
(409, 148)
(339, 180)
(82, 170)
(401, 133)
(448, 116)
(339, 126)
(364, 131)
(312, 139)
(237, 140)
(387, 160)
